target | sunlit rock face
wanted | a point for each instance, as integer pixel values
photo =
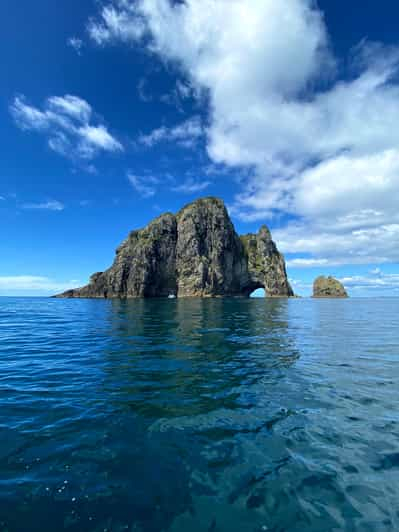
(195, 253)
(328, 287)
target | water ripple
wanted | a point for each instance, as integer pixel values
(225, 415)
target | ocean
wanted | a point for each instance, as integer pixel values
(199, 415)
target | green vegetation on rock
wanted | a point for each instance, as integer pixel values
(328, 287)
(196, 253)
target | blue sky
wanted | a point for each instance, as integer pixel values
(113, 112)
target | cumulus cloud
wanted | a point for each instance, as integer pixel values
(321, 149)
(67, 123)
(330, 246)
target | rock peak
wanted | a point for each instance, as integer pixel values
(196, 253)
(208, 202)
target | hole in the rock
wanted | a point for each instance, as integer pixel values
(260, 292)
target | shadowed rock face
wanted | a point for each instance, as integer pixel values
(328, 287)
(196, 253)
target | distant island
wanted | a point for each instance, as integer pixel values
(195, 253)
(328, 287)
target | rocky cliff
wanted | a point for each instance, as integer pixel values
(196, 253)
(328, 287)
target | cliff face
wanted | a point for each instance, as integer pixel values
(196, 253)
(209, 255)
(266, 266)
(328, 287)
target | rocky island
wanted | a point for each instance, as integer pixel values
(195, 253)
(328, 287)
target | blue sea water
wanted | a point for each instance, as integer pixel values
(199, 415)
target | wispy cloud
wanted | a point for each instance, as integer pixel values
(85, 203)
(33, 283)
(51, 205)
(185, 134)
(300, 286)
(115, 24)
(67, 123)
(374, 280)
(76, 44)
(308, 263)
(142, 91)
(190, 186)
(146, 186)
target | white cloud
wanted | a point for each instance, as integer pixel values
(181, 93)
(301, 287)
(374, 283)
(66, 121)
(307, 263)
(191, 186)
(115, 24)
(33, 283)
(97, 138)
(142, 91)
(326, 243)
(72, 106)
(184, 90)
(76, 44)
(375, 280)
(321, 149)
(51, 205)
(185, 134)
(146, 186)
(354, 190)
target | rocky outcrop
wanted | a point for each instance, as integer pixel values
(196, 253)
(209, 257)
(328, 287)
(266, 266)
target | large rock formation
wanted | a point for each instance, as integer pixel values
(328, 287)
(196, 253)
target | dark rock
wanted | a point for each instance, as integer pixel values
(209, 255)
(328, 287)
(196, 253)
(266, 266)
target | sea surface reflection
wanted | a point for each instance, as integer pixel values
(199, 415)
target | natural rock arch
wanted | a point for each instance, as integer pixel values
(251, 288)
(196, 253)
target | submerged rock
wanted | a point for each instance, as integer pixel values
(196, 253)
(328, 287)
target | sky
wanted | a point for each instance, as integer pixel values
(114, 112)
